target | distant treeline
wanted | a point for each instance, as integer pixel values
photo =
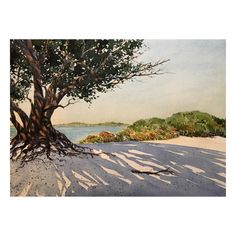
(88, 125)
(192, 124)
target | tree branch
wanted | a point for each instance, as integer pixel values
(23, 116)
(140, 72)
(14, 121)
(69, 102)
(88, 50)
(54, 106)
(67, 89)
(30, 55)
(110, 55)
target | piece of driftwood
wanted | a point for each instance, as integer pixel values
(167, 170)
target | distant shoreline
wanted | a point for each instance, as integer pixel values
(89, 125)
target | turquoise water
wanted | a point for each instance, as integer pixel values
(77, 133)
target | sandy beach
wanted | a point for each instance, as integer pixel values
(197, 169)
(216, 143)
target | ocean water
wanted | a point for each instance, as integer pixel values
(77, 133)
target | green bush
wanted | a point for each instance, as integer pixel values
(195, 123)
(91, 139)
(131, 135)
(148, 124)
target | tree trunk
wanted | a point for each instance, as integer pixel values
(36, 135)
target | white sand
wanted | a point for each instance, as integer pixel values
(198, 164)
(215, 143)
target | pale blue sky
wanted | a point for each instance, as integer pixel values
(195, 81)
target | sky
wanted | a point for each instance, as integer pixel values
(194, 79)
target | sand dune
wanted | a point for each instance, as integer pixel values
(198, 166)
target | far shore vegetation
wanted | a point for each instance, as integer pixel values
(192, 124)
(92, 124)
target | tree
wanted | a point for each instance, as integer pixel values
(54, 69)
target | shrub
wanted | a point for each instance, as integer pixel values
(106, 137)
(191, 124)
(91, 139)
(197, 124)
(148, 124)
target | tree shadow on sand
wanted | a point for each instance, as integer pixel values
(195, 172)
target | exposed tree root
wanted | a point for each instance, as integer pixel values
(52, 147)
(167, 170)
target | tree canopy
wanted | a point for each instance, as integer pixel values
(78, 68)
